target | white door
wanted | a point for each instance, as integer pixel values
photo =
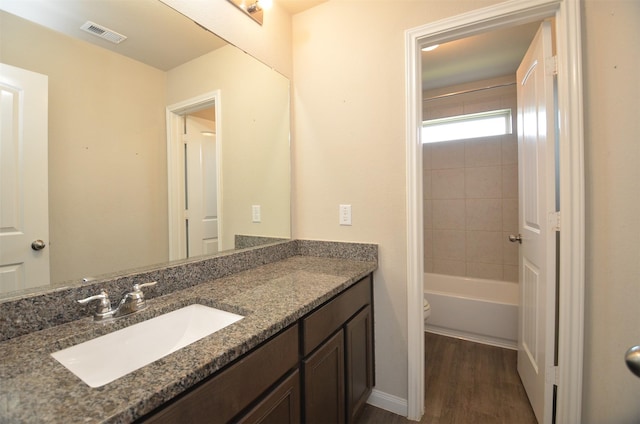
(202, 187)
(24, 208)
(536, 144)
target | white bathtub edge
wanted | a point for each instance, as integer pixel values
(494, 323)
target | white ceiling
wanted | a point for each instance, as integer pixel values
(488, 55)
(157, 35)
(163, 38)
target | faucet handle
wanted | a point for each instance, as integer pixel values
(103, 307)
(134, 300)
(137, 287)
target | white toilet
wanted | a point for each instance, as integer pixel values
(427, 311)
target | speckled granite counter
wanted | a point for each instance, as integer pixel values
(35, 388)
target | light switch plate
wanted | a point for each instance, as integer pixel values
(345, 214)
(255, 213)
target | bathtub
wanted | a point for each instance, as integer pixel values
(483, 311)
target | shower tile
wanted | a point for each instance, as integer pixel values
(426, 156)
(482, 270)
(447, 155)
(484, 214)
(483, 105)
(484, 246)
(509, 250)
(448, 267)
(483, 183)
(428, 243)
(449, 214)
(510, 150)
(441, 110)
(428, 264)
(449, 244)
(427, 211)
(510, 215)
(510, 273)
(426, 185)
(483, 152)
(448, 183)
(510, 181)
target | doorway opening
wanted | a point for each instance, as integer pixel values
(571, 290)
(482, 193)
(193, 159)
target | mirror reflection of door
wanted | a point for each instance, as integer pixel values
(202, 221)
(24, 213)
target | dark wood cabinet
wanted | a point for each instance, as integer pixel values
(319, 370)
(359, 361)
(338, 375)
(223, 396)
(280, 406)
(324, 392)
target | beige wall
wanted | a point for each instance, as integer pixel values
(349, 145)
(107, 160)
(348, 67)
(471, 189)
(611, 48)
(349, 148)
(254, 136)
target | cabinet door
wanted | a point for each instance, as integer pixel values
(359, 365)
(324, 393)
(281, 406)
(226, 394)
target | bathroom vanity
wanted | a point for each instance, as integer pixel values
(335, 342)
(302, 353)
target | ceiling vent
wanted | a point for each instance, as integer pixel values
(103, 32)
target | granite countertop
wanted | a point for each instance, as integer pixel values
(35, 388)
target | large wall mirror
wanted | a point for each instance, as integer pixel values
(166, 145)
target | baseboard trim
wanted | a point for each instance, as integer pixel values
(388, 402)
(488, 340)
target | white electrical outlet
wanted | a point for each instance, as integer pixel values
(345, 214)
(255, 213)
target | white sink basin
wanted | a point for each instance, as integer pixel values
(101, 360)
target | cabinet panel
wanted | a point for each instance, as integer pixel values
(324, 391)
(281, 406)
(359, 362)
(226, 394)
(328, 318)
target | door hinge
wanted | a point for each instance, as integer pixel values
(186, 214)
(552, 376)
(551, 65)
(554, 221)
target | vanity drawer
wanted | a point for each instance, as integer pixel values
(330, 317)
(226, 394)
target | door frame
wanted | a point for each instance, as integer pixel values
(571, 164)
(175, 166)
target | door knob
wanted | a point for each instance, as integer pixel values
(632, 358)
(514, 238)
(38, 245)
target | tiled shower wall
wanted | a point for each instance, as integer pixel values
(471, 194)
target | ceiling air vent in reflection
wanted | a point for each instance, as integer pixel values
(103, 32)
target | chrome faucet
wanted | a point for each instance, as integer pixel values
(131, 302)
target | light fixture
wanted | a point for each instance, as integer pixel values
(253, 8)
(430, 48)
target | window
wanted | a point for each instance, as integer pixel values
(473, 125)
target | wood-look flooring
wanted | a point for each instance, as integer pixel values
(466, 383)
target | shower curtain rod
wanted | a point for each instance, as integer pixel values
(456, 93)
